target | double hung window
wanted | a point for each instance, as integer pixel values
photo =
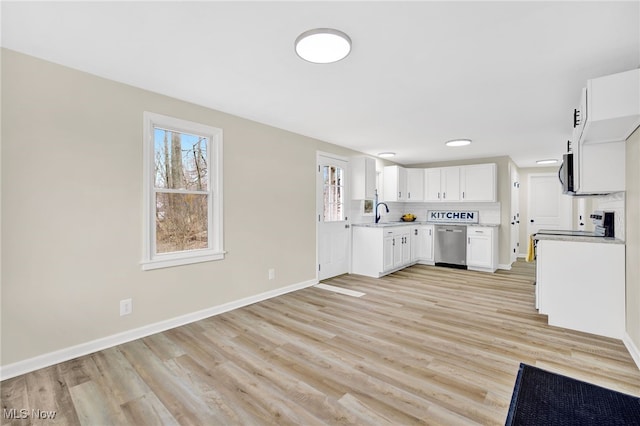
(182, 192)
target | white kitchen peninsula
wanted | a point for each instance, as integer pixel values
(580, 283)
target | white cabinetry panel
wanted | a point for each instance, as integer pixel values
(432, 185)
(363, 178)
(479, 182)
(482, 248)
(415, 184)
(581, 286)
(422, 243)
(395, 184)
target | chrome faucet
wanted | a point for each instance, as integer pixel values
(376, 207)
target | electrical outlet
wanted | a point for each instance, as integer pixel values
(126, 307)
(272, 274)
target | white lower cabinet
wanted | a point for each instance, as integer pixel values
(401, 244)
(482, 248)
(422, 243)
(378, 251)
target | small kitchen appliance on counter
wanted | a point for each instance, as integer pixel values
(604, 227)
(604, 223)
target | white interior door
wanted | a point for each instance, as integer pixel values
(333, 224)
(548, 207)
(515, 215)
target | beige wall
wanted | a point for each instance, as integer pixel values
(72, 210)
(632, 215)
(504, 196)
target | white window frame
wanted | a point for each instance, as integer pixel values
(215, 251)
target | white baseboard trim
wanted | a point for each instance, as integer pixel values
(51, 358)
(506, 267)
(632, 348)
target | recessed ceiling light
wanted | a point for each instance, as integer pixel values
(323, 45)
(549, 161)
(458, 142)
(386, 154)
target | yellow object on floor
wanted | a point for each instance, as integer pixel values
(530, 250)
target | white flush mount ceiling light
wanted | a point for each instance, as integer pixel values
(458, 142)
(323, 45)
(549, 161)
(386, 154)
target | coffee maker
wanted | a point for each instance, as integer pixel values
(604, 223)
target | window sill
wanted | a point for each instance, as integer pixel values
(170, 261)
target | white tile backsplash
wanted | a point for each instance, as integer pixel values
(489, 213)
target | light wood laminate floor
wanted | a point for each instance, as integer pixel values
(424, 345)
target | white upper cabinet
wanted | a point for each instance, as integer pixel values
(442, 184)
(432, 185)
(363, 178)
(415, 184)
(612, 107)
(474, 183)
(395, 184)
(450, 183)
(479, 182)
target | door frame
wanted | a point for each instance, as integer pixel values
(347, 206)
(514, 214)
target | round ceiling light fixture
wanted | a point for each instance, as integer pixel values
(549, 161)
(458, 142)
(386, 154)
(323, 45)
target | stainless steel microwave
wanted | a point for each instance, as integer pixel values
(566, 174)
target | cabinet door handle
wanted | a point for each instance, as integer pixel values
(438, 195)
(444, 195)
(429, 232)
(468, 240)
(400, 194)
(409, 195)
(415, 232)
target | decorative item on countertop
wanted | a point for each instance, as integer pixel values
(452, 216)
(408, 217)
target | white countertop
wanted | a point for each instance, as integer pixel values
(417, 222)
(576, 238)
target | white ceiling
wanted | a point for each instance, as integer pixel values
(505, 74)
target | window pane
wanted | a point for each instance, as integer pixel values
(181, 222)
(333, 194)
(180, 160)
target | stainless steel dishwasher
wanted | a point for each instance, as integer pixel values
(451, 246)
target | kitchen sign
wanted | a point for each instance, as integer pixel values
(452, 216)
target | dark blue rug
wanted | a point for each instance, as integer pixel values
(544, 398)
